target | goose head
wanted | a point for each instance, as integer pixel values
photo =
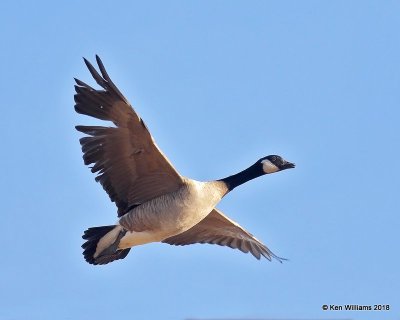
(266, 165)
(274, 163)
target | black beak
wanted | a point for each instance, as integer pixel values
(288, 165)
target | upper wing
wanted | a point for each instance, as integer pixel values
(129, 165)
(217, 228)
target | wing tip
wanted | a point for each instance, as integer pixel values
(86, 62)
(98, 60)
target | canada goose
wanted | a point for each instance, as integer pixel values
(155, 203)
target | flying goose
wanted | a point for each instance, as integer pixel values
(155, 203)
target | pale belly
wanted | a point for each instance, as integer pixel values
(175, 222)
(168, 216)
(133, 238)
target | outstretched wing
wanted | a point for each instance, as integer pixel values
(129, 165)
(217, 228)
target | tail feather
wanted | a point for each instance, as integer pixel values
(111, 253)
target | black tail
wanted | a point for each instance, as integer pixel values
(110, 253)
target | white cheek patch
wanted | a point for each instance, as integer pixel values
(269, 167)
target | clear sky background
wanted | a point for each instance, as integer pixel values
(220, 84)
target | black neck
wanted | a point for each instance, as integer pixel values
(246, 175)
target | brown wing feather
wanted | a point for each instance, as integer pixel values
(217, 228)
(129, 165)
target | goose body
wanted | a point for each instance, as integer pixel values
(155, 203)
(170, 214)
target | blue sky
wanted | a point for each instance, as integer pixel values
(220, 84)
